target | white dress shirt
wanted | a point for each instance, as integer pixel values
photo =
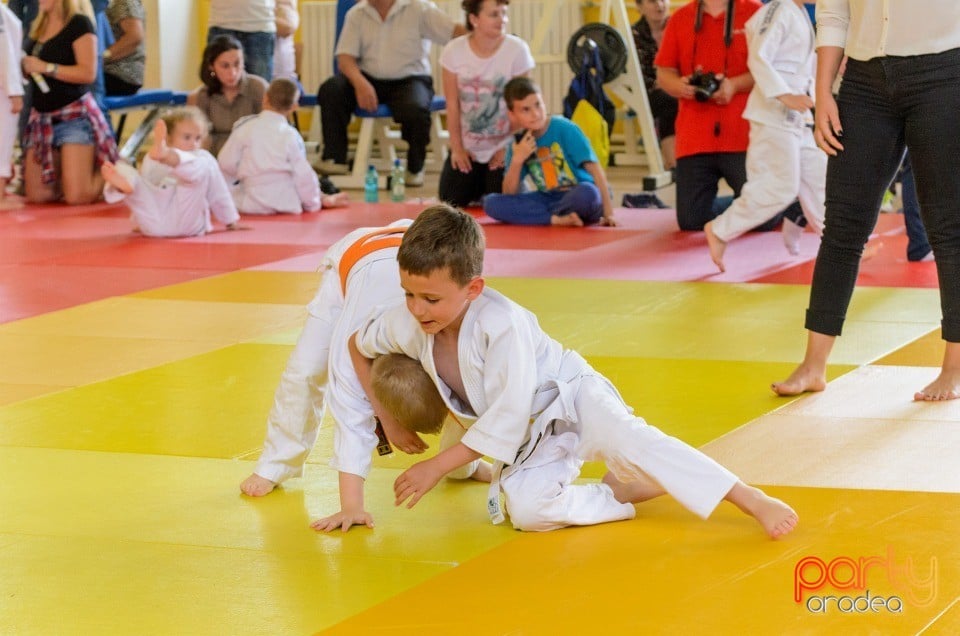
(866, 29)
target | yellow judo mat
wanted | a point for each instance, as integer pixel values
(127, 424)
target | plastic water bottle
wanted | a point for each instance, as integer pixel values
(371, 193)
(397, 186)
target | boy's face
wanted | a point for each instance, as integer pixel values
(529, 113)
(436, 300)
(186, 135)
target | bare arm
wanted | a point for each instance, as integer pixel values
(127, 43)
(674, 84)
(83, 72)
(827, 116)
(600, 180)
(459, 158)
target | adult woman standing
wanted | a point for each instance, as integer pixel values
(66, 132)
(476, 67)
(647, 35)
(901, 88)
(123, 61)
(228, 92)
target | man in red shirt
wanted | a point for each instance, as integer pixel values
(712, 135)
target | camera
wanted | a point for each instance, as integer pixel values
(706, 84)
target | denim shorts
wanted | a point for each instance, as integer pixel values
(75, 131)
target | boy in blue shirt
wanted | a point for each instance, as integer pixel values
(571, 187)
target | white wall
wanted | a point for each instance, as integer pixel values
(173, 46)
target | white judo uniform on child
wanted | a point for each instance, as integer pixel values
(265, 162)
(176, 201)
(783, 161)
(11, 85)
(320, 371)
(513, 373)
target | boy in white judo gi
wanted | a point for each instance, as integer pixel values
(360, 275)
(180, 183)
(490, 360)
(266, 164)
(783, 161)
(11, 91)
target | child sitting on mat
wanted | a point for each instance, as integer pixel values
(180, 183)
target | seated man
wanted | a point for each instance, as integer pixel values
(382, 57)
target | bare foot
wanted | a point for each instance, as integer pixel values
(637, 491)
(571, 219)
(338, 200)
(777, 518)
(871, 250)
(717, 246)
(114, 178)
(791, 233)
(257, 486)
(945, 387)
(802, 380)
(159, 148)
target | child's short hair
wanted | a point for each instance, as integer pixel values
(282, 94)
(441, 237)
(174, 116)
(407, 392)
(518, 88)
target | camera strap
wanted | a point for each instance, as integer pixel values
(728, 21)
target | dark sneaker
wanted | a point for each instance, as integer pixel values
(327, 187)
(643, 200)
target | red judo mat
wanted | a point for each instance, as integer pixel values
(56, 256)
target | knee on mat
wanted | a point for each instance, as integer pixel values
(535, 513)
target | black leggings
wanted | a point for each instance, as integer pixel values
(886, 104)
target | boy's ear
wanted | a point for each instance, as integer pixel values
(474, 288)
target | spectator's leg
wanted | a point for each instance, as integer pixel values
(459, 188)
(409, 99)
(35, 189)
(697, 178)
(529, 208)
(918, 247)
(931, 99)
(337, 102)
(584, 200)
(258, 53)
(856, 181)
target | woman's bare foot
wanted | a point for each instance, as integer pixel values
(777, 518)
(945, 387)
(804, 379)
(637, 491)
(159, 148)
(716, 245)
(571, 219)
(114, 178)
(257, 486)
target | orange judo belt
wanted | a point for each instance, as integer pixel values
(380, 239)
